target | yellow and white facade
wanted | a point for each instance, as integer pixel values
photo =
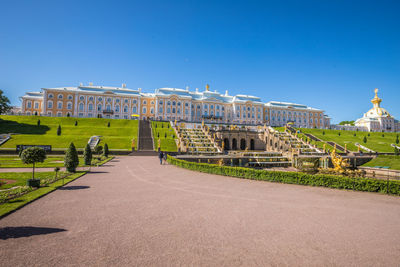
(168, 104)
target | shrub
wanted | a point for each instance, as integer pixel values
(105, 150)
(87, 155)
(98, 150)
(354, 134)
(59, 130)
(38, 122)
(71, 160)
(339, 133)
(76, 123)
(383, 135)
(324, 180)
(396, 151)
(397, 139)
(108, 124)
(32, 155)
(365, 139)
(68, 115)
(323, 132)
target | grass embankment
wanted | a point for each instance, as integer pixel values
(21, 201)
(393, 162)
(50, 161)
(323, 180)
(379, 142)
(166, 135)
(118, 136)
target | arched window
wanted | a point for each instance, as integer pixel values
(108, 107)
(69, 105)
(99, 107)
(134, 110)
(91, 98)
(90, 107)
(60, 96)
(100, 99)
(152, 110)
(80, 106)
(29, 104)
(125, 109)
(81, 98)
(50, 96)
(49, 104)
(69, 97)
(59, 105)
(117, 108)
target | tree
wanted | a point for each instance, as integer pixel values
(165, 135)
(397, 139)
(32, 155)
(339, 133)
(71, 160)
(4, 103)
(76, 123)
(383, 135)
(87, 155)
(105, 150)
(38, 122)
(323, 132)
(354, 134)
(108, 124)
(365, 139)
(59, 130)
(158, 134)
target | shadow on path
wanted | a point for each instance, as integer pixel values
(74, 187)
(94, 172)
(25, 231)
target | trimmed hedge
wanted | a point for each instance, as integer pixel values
(331, 181)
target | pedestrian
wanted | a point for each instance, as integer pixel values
(165, 157)
(160, 156)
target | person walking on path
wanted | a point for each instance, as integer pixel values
(160, 156)
(165, 157)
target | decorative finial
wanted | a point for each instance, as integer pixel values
(376, 91)
(207, 87)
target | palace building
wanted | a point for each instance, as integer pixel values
(377, 118)
(91, 101)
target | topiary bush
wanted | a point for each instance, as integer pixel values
(71, 159)
(87, 155)
(32, 155)
(59, 130)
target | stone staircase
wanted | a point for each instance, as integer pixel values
(145, 136)
(93, 141)
(287, 142)
(196, 141)
(4, 138)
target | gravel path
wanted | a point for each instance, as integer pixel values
(134, 212)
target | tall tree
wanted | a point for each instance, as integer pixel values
(105, 151)
(4, 103)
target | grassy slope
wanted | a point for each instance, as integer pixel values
(375, 141)
(385, 160)
(167, 143)
(31, 196)
(118, 136)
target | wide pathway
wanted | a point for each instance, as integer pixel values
(134, 212)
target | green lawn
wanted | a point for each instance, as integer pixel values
(50, 161)
(118, 136)
(18, 202)
(166, 135)
(375, 141)
(21, 177)
(385, 161)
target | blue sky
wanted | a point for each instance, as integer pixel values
(326, 54)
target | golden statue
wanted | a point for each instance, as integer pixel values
(207, 87)
(339, 163)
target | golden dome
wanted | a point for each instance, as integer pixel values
(377, 111)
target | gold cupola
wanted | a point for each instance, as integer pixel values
(376, 101)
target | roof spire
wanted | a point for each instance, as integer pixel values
(376, 101)
(207, 87)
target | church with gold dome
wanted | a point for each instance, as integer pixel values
(378, 119)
